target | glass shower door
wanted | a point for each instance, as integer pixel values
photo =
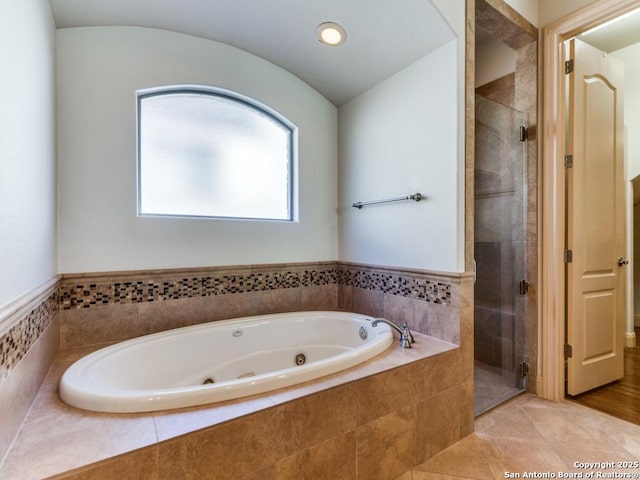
(500, 253)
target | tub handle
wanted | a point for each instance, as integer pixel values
(406, 337)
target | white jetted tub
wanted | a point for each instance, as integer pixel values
(220, 361)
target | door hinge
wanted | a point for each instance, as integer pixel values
(568, 161)
(568, 256)
(524, 369)
(524, 133)
(524, 287)
(568, 351)
(568, 66)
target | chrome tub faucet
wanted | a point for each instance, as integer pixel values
(406, 337)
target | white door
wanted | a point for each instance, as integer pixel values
(595, 220)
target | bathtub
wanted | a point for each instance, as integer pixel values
(220, 361)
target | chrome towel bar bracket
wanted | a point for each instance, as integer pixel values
(416, 197)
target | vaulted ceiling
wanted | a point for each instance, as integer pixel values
(382, 37)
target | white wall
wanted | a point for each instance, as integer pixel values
(398, 138)
(631, 58)
(552, 10)
(99, 71)
(527, 8)
(27, 147)
(542, 12)
(455, 15)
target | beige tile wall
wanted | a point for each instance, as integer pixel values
(92, 314)
(21, 386)
(377, 427)
(28, 344)
(111, 323)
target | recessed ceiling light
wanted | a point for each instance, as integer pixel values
(330, 33)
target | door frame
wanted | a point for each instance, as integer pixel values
(551, 377)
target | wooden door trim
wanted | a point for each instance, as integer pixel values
(550, 381)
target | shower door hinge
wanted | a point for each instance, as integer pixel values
(568, 351)
(568, 66)
(524, 287)
(524, 133)
(568, 256)
(568, 161)
(524, 369)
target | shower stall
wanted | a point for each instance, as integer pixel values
(500, 253)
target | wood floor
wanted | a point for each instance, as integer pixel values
(622, 398)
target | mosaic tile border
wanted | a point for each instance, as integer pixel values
(17, 341)
(87, 293)
(90, 294)
(394, 284)
(81, 293)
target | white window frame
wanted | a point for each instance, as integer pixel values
(242, 100)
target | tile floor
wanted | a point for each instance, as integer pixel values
(529, 434)
(491, 388)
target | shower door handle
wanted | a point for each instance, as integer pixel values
(622, 262)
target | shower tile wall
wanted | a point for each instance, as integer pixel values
(499, 233)
(518, 91)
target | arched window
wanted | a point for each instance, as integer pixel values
(205, 152)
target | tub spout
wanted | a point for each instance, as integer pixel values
(406, 337)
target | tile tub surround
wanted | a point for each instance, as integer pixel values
(373, 421)
(430, 302)
(118, 288)
(24, 324)
(108, 307)
(28, 344)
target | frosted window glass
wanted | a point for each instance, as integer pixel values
(208, 154)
